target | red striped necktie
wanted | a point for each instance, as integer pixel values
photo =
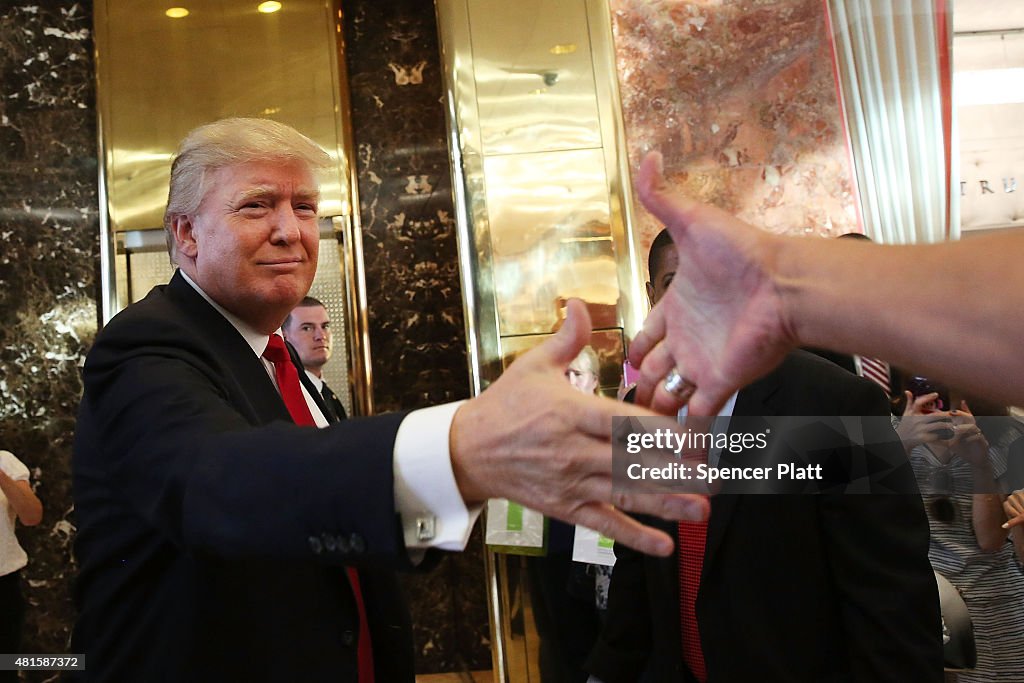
(291, 392)
(877, 371)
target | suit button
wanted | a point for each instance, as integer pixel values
(358, 544)
(348, 638)
(343, 545)
(315, 545)
(330, 542)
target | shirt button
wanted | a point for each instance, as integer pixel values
(330, 542)
(358, 544)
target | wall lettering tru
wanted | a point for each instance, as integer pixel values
(1009, 185)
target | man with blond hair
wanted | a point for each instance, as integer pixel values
(215, 525)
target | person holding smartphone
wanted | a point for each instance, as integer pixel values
(957, 471)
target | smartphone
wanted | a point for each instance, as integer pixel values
(920, 386)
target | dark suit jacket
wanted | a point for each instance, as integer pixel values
(212, 530)
(846, 362)
(801, 588)
(335, 408)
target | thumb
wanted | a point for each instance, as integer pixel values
(909, 406)
(572, 336)
(671, 208)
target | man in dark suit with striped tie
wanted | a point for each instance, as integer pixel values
(308, 329)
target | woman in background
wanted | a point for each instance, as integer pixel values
(957, 470)
(17, 501)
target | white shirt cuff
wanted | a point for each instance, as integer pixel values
(426, 495)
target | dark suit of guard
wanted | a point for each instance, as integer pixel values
(212, 531)
(335, 409)
(830, 588)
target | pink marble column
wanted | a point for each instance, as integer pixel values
(740, 96)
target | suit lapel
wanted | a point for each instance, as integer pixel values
(252, 385)
(754, 402)
(318, 398)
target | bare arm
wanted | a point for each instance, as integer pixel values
(1013, 506)
(970, 445)
(742, 297)
(21, 497)
(1017, 537)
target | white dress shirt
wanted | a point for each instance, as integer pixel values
(428, 500)
(721, 425)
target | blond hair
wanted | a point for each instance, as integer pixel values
(229, 142)
(590, 355)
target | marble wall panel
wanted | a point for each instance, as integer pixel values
(417, 338)
(48, 263)
(740, 97)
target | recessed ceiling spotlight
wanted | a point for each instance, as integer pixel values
(563, 49)
(269, 7)
(177, 12)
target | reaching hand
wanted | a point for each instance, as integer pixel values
(968, 442)
(532, 438)
(721, 323)
(920, 425)
(1013, 506)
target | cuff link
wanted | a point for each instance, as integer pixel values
(425, 528)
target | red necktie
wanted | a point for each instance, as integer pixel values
(291, 392)
(692, 536)
(878, 371)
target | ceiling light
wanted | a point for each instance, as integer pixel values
(564, 49)
(177, 12)
(269, 6)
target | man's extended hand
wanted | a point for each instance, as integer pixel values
(721, 323)
(530, 437)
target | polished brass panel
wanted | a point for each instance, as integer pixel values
(550, 236)
(542, 211)
(630, 262)
(469, 190)
(159, 77)
(534, 76)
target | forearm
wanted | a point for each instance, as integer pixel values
(987, 519)
(1017, 537)
(19, 494)
(919, 307)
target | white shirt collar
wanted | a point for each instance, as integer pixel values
(720, 426)
(255, 339)
(318, 382)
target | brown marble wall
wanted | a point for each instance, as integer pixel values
(48, 260)
(740, 97)
(416, 325)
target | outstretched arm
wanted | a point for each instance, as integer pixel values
(742, 297)
(532, 438)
